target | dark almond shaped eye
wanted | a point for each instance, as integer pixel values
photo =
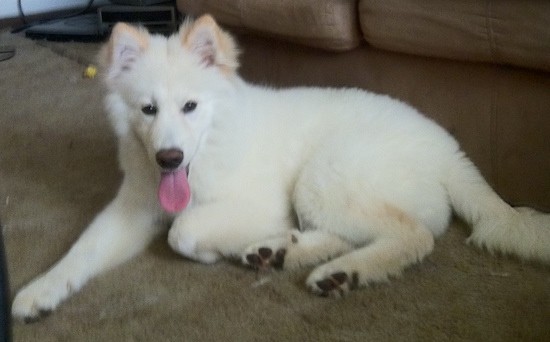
(149, 109)
(189, 107)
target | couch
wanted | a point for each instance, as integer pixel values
(481, 69)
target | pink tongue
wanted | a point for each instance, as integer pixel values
(174, 193)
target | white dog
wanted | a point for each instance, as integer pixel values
(358, 182)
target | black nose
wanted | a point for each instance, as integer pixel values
(169, 158)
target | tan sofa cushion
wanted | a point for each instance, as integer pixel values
(328, 24)
(513, 32)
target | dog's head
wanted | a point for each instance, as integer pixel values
(163, 91)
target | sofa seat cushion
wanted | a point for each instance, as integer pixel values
(515, 32)
(328, 24)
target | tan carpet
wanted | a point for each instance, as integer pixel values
(58, 169)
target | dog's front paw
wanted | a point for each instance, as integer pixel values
(332, 284)
(191, 247)
(267, 254)
(264, 258)
(40, 298)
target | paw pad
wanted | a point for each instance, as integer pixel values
(265, 258)
(35, 318)
(337, 284)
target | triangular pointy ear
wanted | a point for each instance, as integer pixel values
(213, 46)
(125, 45)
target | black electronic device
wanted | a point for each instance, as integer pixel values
(81, 28)
(136, 2)
(161, 19)
(95, 26)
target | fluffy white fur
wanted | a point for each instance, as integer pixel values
(354, 181)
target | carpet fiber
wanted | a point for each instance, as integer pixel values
(58, 168)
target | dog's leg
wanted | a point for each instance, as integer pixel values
(121, 230)
(398, 243)
(223, 229)
(296, 249)
(339, 193)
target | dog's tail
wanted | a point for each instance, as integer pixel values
(497, 226)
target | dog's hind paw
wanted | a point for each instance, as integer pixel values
(335, 285)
